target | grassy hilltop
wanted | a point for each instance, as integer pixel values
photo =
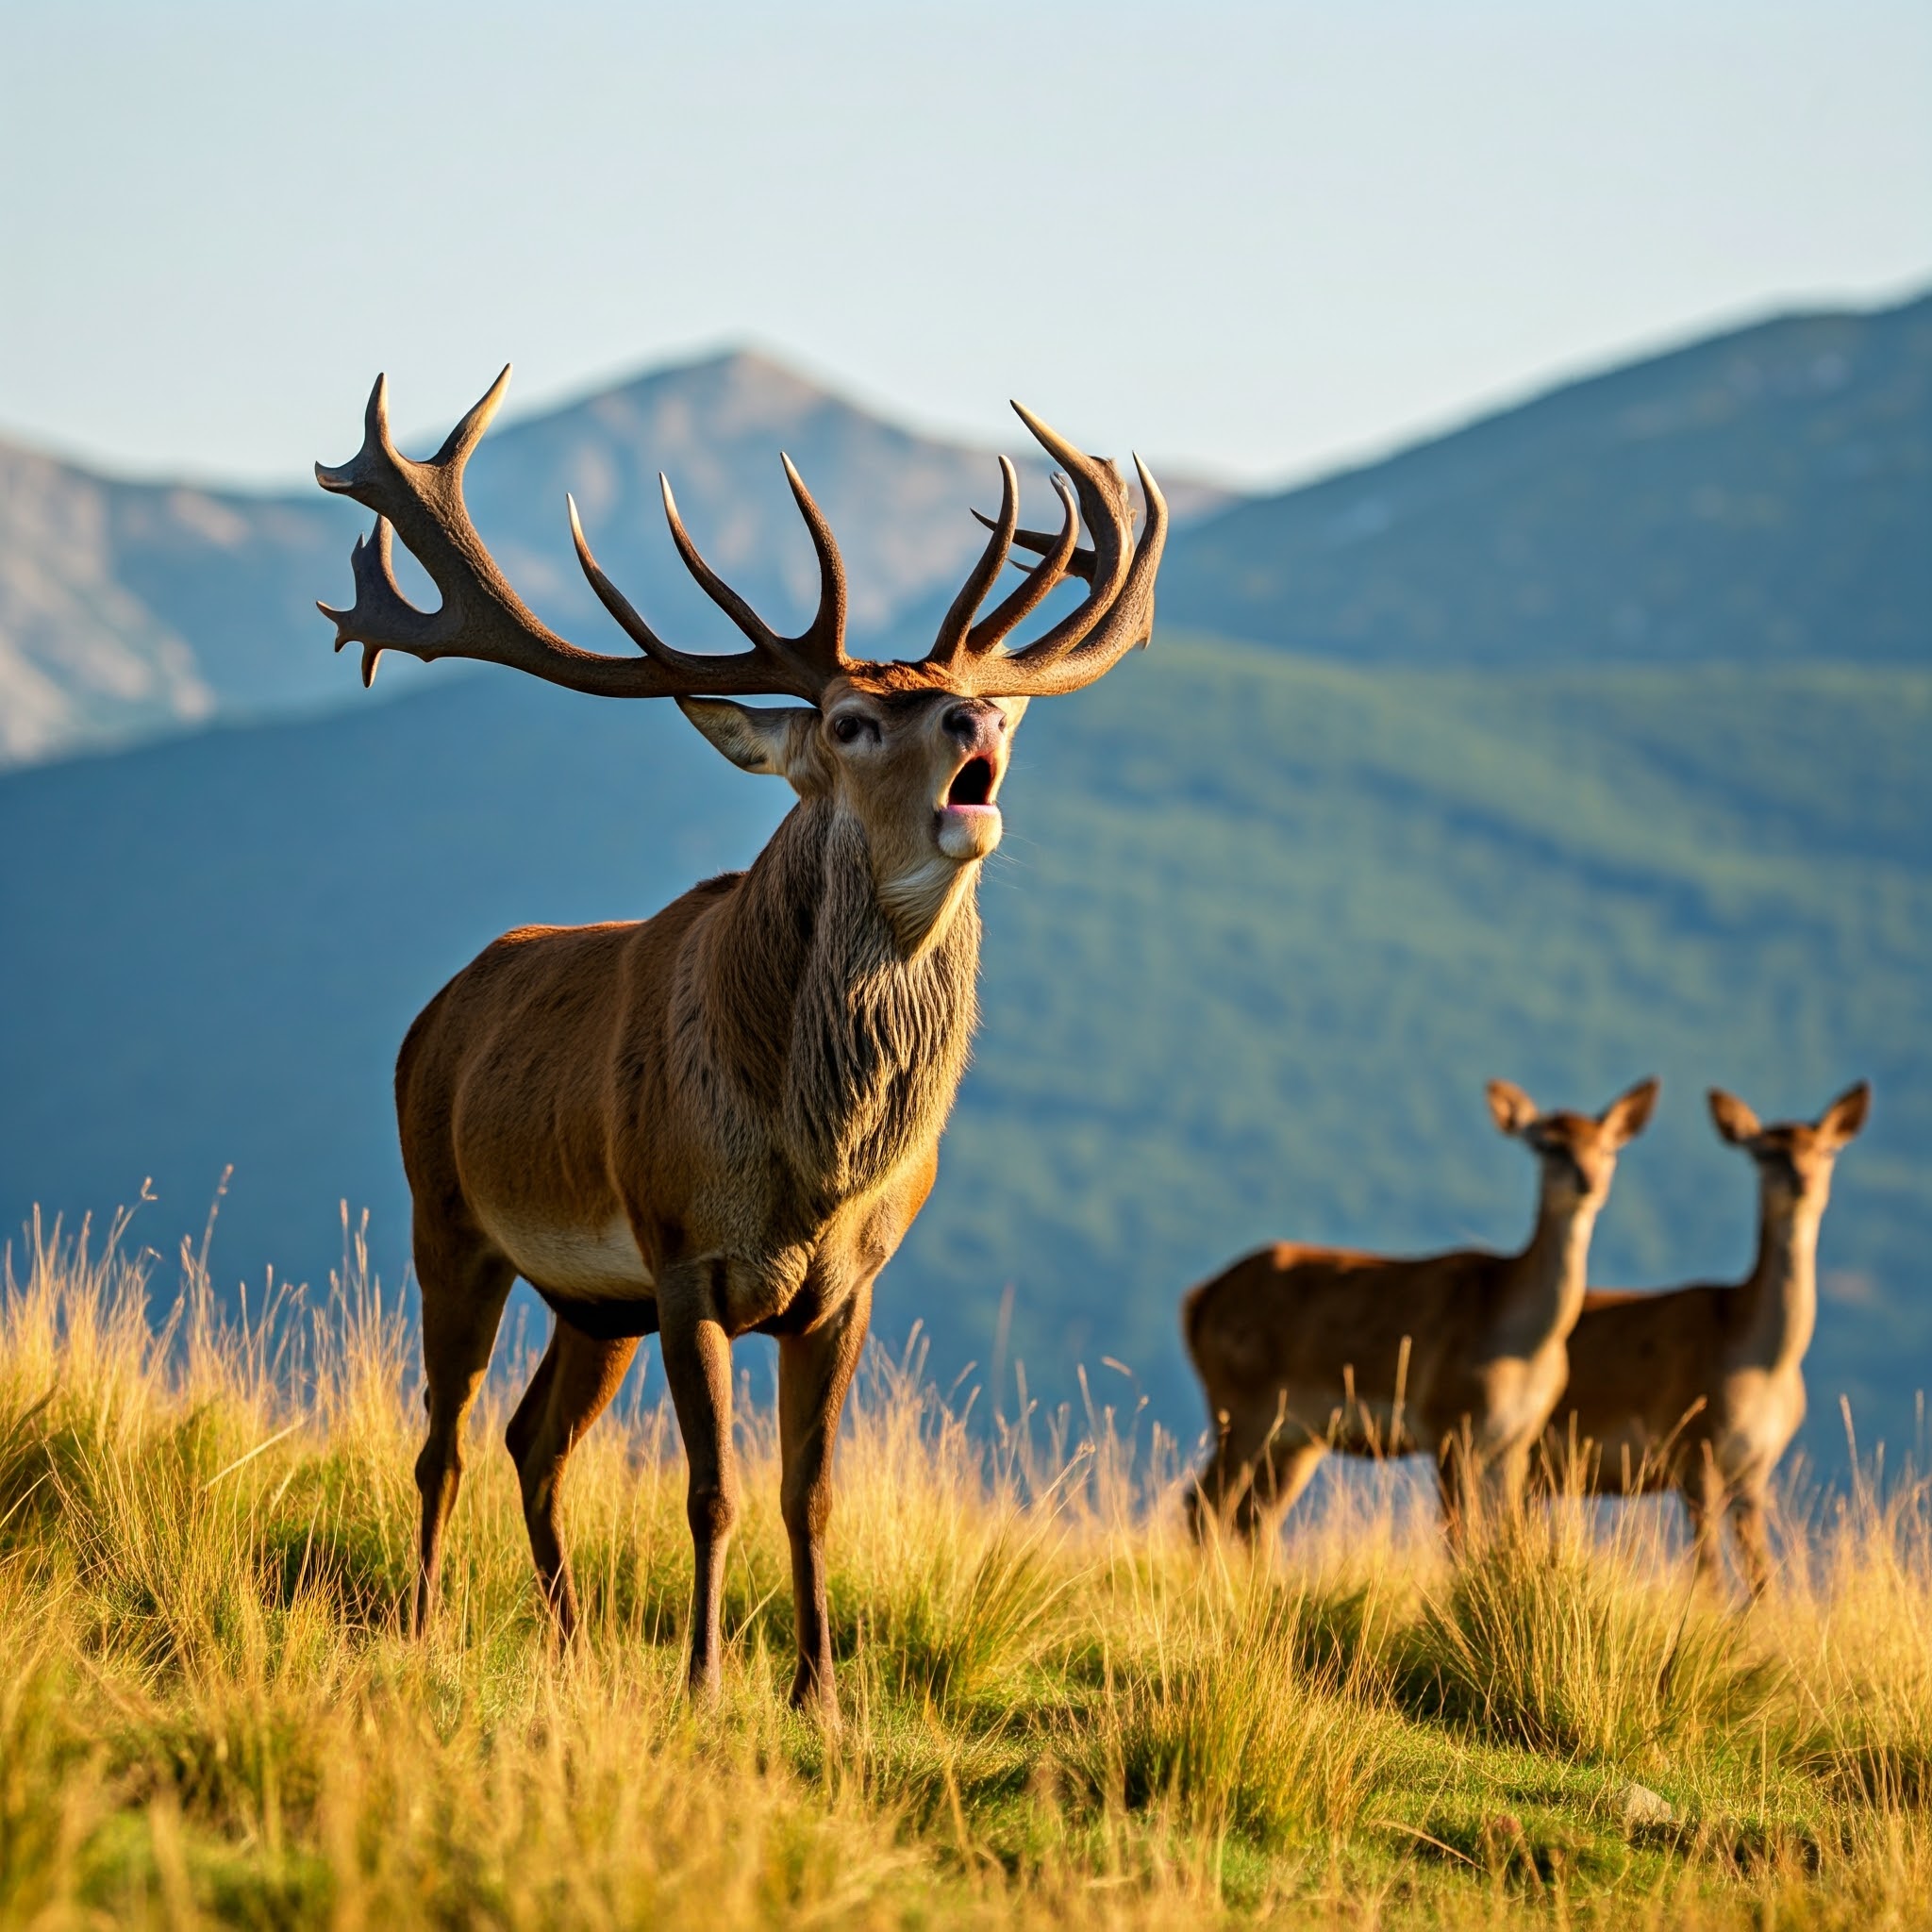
(1058, 1713)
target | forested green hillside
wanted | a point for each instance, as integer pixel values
(1261, 928)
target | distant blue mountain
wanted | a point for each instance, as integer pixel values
(1761, 497)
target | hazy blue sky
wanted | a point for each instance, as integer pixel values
(1255, 239)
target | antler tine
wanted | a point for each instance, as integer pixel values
(1019, 603)
(464, 438)
(957, 626)
(481, 617)
(376, 451)
(379, 601)
(810, 661)
(1109, 522)
(821, 643)
(714, 587)
(1079, 563)
(697, 670)
(1127, 620)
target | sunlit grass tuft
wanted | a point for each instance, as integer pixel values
(1058, 1710)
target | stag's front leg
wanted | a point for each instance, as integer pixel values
(697, 1365)
(814, 1373)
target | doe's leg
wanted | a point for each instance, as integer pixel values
(465, 1283)
(1259, 1467)
(572, 1385)
(1459, 1485)
(1506, 1481)
(697, 1366)
(1754, 1547)
(1283, 1472)
(1703, 1490)
(814, 1373)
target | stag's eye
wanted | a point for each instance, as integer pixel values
(850, 726)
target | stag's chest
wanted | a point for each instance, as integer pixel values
(793, 1288)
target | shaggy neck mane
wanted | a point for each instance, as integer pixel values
(812, 1000)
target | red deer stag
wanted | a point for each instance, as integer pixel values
(1304, 1350)
(1701, 1388)
(721, 1120)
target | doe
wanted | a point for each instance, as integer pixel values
(1302, 1350)
(1700, 1390)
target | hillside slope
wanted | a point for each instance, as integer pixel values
(1260, 929)
(1760, 497)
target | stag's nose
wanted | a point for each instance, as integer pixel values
(975, 724)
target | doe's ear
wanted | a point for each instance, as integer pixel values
(768, 740)
(1511, 1108)
(1843, 1118)
(1624, 1119)
(1733, 1120)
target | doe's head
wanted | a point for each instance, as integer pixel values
(1794, 1158)
(1578, 1153)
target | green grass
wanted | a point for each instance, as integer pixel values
(1057, 1711)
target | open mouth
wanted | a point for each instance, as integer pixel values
(972, 787)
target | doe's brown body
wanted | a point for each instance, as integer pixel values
(1700, 1390)
(1306, 1350)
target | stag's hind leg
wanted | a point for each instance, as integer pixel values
(465, 1282)
(572, 1385)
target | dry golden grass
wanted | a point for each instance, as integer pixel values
(1058, 1711)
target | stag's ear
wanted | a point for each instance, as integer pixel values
(1733, 1120)
(1843, 1118)
(1511, 1108)
(1624, 1119)
(770, 740)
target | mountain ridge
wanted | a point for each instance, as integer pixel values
(1643, 513)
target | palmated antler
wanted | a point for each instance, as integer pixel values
(482, 618)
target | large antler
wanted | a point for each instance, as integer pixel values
(482, 618)
(1118, 610)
